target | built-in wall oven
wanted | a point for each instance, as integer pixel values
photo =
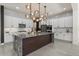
(46, 28)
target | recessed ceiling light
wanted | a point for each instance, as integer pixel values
(64, 8)
(17, 8)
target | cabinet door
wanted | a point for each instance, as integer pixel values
(61, 36)
(68, 36)
(56, 36)
(10, 22)
(8, 38)
(61, 22)
(68, 22)
(55, 23)
(7, 21)
(15, 22)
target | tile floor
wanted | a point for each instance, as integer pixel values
(59, 48)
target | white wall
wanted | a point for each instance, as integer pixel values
(75, 7)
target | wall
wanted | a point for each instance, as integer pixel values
(75, 7)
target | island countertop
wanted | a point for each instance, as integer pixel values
(24, 35)
(27, 43)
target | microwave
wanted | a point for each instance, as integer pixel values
(22, 26)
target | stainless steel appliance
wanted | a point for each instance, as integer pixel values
(46, 28)
(43, 28)
(22, 25)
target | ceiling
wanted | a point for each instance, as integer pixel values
(52, 8)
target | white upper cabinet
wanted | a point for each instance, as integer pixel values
(62, 21)
(12, 22)
(7, 21)
(68, 21)
(55, 23)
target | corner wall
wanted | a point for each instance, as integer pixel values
(75, 7)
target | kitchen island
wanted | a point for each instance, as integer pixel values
(27, 43)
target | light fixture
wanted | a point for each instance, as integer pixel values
(41, 16)
(37, 20)
(35, 15)
(33, 18)
(27, 6)
(32, 14)
(17, 8)
(27, 16)
(64, 8)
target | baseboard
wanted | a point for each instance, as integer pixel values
(63, 40)
(5, 43)
(8, 42)
(1, 44)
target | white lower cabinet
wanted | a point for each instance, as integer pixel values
(56, 35)
(68, 36)
(63, 36)
(8, 38)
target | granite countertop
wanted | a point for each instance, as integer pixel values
(24, 35)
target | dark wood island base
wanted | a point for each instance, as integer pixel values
(30, 44)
